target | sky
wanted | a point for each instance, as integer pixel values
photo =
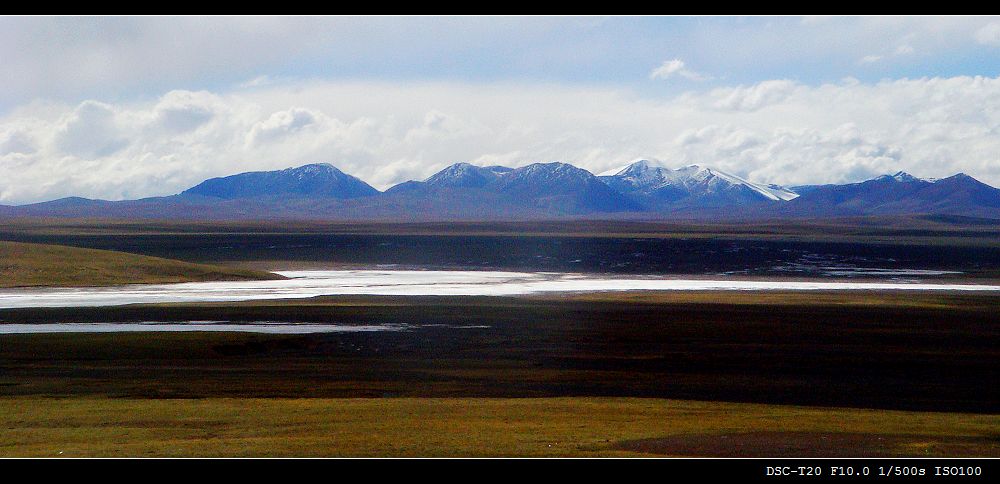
(129, 107)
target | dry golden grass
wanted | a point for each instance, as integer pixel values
(24, 265)
(442, 427)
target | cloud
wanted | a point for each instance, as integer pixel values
(90, 131)
(752, 98)
(667, 69)
(282, 124)
(989, 34)
(903, 49)
(69, 59)
(441, 126)
(182, 111)
(16, 140)
(258, 81)
(776, 131)
(675, 67)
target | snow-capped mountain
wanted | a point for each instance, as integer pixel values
(459, 175)
(561, 187)
(902, 177)
(693, 184)
(538, 191)
(319, 180)
(466, 175)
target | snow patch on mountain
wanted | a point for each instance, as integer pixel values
(465, 175)
(770, 191)
(902, 177)
(645, 176)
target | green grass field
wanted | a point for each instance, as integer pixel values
(26, 265)
(471, 427)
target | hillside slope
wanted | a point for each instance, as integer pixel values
(26, 265)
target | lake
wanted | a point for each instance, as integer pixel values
(306, 284)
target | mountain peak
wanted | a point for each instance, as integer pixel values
(458, 167)
(313, 168)
(553, 170)
(563, 187)
(317, 180)
(900, 177)
(465, 175)
(962, 179)
(692, 182)
(551, 166)
(640, 174)
(640, 165)
(902, 193)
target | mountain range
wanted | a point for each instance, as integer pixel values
(641, 190)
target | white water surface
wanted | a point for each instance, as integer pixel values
(305, 284)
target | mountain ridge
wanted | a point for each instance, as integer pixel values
(316, 179)
(463, 191)
(695, 184)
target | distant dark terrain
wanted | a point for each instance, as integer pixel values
(640, 253)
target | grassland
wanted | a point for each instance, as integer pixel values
(898, 351)
(470, 427)
(614, 374)
(27, 265)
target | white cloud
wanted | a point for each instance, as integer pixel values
(282, 124)
(675, 67)
(16, 140)
(90, 131)
(777, 131)
(989, 34)
(182, 111)
(667, 69)
(752, 98)
(903, 49)
(440, 126)
(258, 81)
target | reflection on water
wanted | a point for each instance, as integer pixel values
(305, 284)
